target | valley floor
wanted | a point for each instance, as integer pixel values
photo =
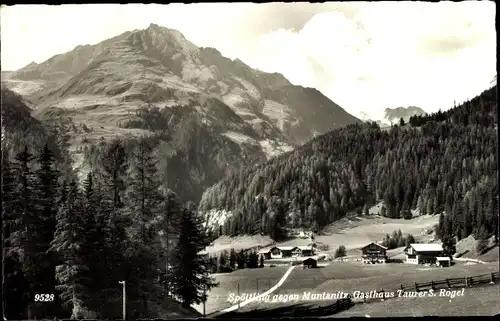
(349, 275)
(481, 301)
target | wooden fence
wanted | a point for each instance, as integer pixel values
(344, 304)
(463, 282)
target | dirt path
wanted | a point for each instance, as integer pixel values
(469, 260)
(271, 290)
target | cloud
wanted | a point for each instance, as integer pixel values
(390, 54)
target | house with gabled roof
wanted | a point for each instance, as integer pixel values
(420, 253)
(306, 250)
(278, 252)
(374, 253)
(266, 252)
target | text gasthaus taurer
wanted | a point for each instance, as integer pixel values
(311, 296)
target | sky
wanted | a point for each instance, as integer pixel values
(365, 56)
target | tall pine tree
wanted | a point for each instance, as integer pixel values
(144, 203)
(69, 245)
(190, 270)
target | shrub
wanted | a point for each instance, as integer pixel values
(341, 251)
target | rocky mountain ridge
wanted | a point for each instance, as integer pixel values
(102, 86)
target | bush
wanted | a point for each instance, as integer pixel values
(482, 246)
(406, 214)
(340, 252)
(323, 247)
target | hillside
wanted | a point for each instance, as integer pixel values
(445, 164)
(392, 115)
(20, 128)
(245, 115)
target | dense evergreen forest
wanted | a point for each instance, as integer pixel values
(67, 244)
(444, 163)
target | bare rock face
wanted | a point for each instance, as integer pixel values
(393, 115)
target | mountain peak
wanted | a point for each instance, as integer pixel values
(153, 26)
(31, 64)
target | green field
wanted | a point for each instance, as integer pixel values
(352, 276)
(480, 301)
(249, 280)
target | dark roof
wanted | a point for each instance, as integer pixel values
(425, 247)
(266, 249)
(375, 244)
(309, 260)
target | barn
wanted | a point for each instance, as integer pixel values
(310, 263)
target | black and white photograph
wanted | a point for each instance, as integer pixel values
(249, 160)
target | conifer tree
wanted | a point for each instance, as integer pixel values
(232, 259)
(14, 285)
(96, 248)
(144, 203)
(26, 239)
(69, 245)
(46, 201)
(112, 179)
(241, 259)
(169, 229)
(448, 244)
(190, 270)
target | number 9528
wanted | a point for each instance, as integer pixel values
(44, 297)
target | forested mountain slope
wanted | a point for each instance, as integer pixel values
(20, 128)
(443, 162)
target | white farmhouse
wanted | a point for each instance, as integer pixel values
(423, 253)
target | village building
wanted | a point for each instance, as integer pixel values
(266, 252)
(276, 252)
(423, 253)
(443, 261)
(279, 252)
(310, 263)
(296, 252)
(286, 251)
(306, 250)
(374, 253)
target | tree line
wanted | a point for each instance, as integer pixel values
(397, 239)
(77, 240)
(228, 261)
(443, 166)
